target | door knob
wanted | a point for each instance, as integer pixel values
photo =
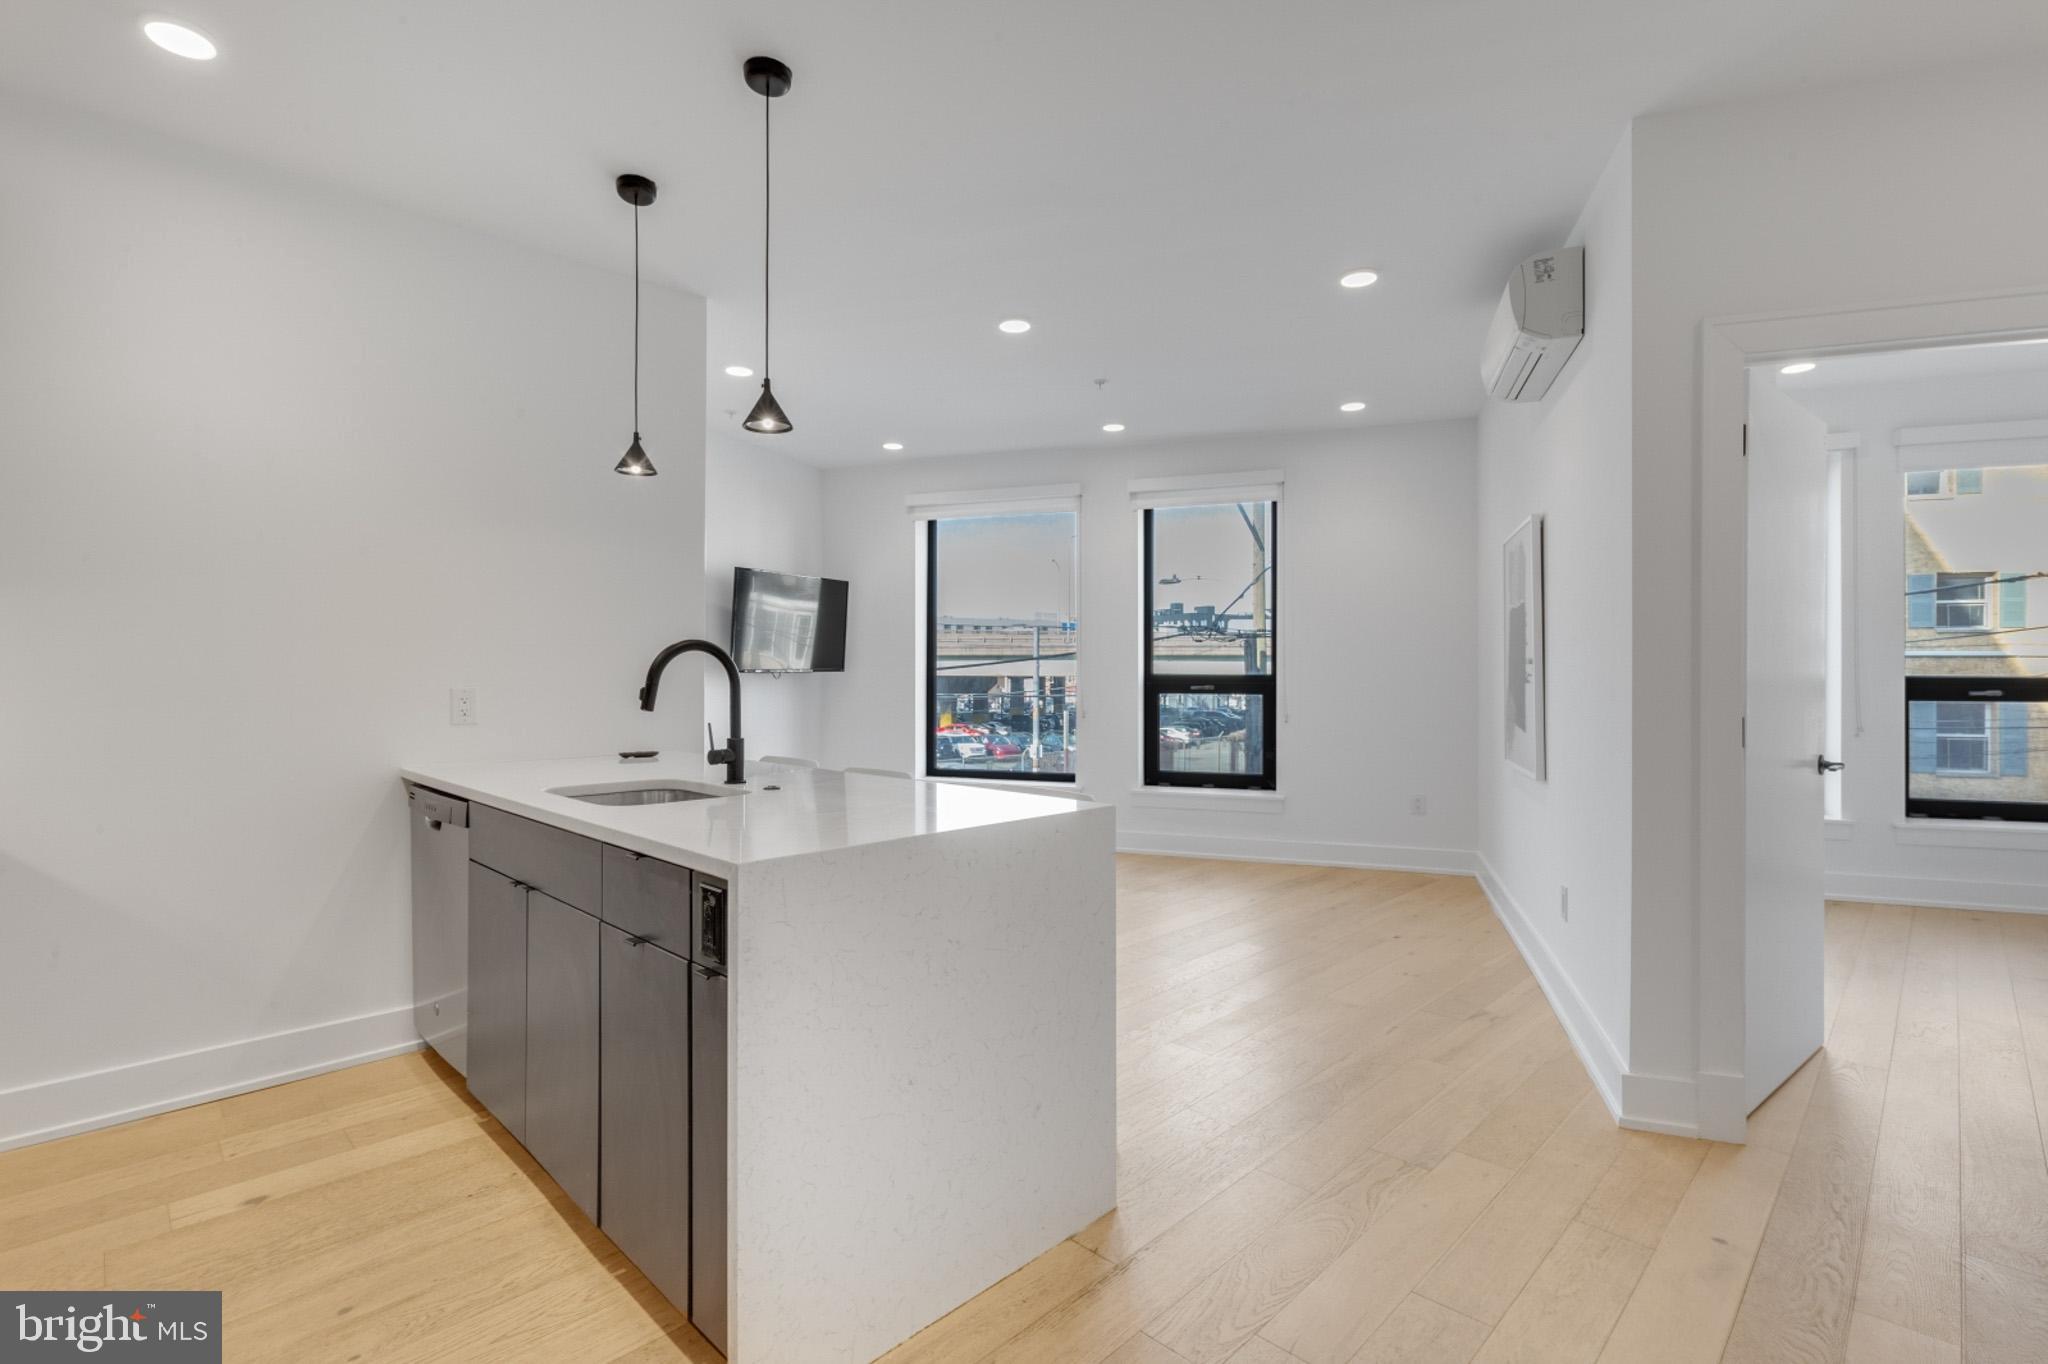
(1824, 765)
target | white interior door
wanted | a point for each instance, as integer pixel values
(1785, 914)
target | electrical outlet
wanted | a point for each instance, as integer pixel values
(1564, 903)
(1418, 805)
(462, 705)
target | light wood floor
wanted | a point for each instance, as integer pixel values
(1351, 1131)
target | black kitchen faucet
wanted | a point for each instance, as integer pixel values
(734, 754)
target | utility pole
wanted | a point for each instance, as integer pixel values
(1037, 692)
(1258, 651)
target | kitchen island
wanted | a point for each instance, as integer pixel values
(915, 1009)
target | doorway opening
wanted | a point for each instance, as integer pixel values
(1895, 759)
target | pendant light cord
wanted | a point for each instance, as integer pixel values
(636, 322)
(767, 219)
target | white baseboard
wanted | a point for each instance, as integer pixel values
(1234, 848)
(1724, 1108)
(1660, 1103)
(1648, 1103)
(102, 1098)
(2009, 897)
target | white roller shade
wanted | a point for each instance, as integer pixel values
(1259, 485)
(1978, 445)
(1046, 497)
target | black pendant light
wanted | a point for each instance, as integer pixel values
(769, 79)
(638, 191)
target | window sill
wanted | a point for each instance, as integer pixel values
(1972, 833)
(1070, 789)
(1199, 798)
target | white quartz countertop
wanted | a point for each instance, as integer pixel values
(780, 812)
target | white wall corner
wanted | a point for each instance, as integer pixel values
(102, 1098)
(1670, 1104)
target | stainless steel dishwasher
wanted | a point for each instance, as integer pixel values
(440, 922)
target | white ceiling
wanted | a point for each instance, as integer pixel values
(1168, 189)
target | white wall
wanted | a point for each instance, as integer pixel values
(1845, 197)
(1376, 655)
(1568, 458)
(762, 510)
(280, 468)
(1869, 855)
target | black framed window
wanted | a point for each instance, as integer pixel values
(1211, 658)
(1002, 647)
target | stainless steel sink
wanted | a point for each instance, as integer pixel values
(650, 793)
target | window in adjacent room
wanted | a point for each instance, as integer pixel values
(1976, 657)
(1002, 647)
(1210, 656)
(1944, 482)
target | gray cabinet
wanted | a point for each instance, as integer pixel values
(649, 898)
(562, 1045)
(597, 1035)
(497, 996)
(645, 1147)
(554, 861)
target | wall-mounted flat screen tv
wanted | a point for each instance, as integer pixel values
(787, 622)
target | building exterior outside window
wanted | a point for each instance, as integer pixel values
(1003, 647)
(1976, 655)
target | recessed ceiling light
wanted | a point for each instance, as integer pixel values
(1351, 407)
(1015, 326)
(1112, 427)
(739, 371)
(1358, 279)
(1802, 367)
(180, 40)
(892, 445)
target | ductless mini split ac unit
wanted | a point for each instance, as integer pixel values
(1538, 325)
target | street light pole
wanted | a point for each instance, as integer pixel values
(1066, 585)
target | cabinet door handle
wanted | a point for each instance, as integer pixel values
(638, 941)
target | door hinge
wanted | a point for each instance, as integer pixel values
(1745, 731)
(1745, 440)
